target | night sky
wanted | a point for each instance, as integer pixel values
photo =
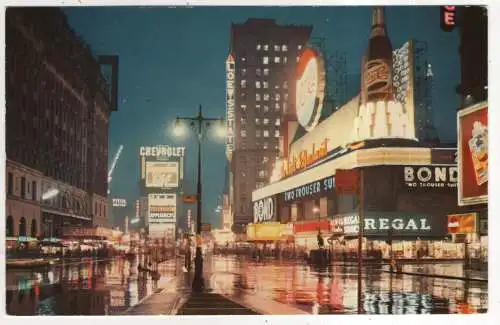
(173, 59)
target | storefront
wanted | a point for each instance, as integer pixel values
(306, 233)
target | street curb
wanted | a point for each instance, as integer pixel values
(450, 277)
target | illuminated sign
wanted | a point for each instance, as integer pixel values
(401, 72)
(162, 174)
(448, 18)
(432, 176)
(120, 203)
(137, 208)
(383, 223)
(263, 210)
(162, 151)
(473, 154)
(310, 88)
(230, 103)
(462, 223)
(377, 76)
(301, 161)
(309, 190)
(162, 208)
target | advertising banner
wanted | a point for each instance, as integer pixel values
(264, 210)
(269, 231)
(400, 224)
(162, 208)
(162, 174)
(430, 177)
(312, 226)
(462, 223)
(119, 203)
(309, 191)
(473, 155)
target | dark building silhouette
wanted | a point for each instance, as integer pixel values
(473, 49)
(265, 56)
(57, 115)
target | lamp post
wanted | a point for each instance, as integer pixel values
(197, 122)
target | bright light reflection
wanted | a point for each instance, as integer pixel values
(50, 194)
(179, 130)
(220, 130)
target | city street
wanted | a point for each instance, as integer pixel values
(269, 287)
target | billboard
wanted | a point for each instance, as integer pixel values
(430, 177)
(162, 208)
(465, 223)
(230, 103)
(310, 88)
(119, 202)
(473, 155)
(162, 174)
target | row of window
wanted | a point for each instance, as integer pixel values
(265, 121)
(9, 227)
(24, 185)
(266, 97)
(261, 146)
(276, 47)
(265, 133)
(264, 109)
(259, 72)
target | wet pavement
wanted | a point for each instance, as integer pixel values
(269, 287)
(82, 287)
(334, 290)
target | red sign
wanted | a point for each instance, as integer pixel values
(462, 223)
(346, 181)
(473, 155)
(448, 18)
(311, 226)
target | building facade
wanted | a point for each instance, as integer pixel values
(57, 113)
(261, 90)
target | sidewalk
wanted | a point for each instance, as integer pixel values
(212, 304)
(454, 271)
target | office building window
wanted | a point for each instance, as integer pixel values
(265, 109)
(262, 173)
(299, 47)
(266, 72)
(286, 96)
(277, 48)
(243, 83)
(284, 48)
(277, 106)
(259, 47)
(285, 84)
(276, 133)
(33, 191)
(265, 60)
(266, 121)
(277, 97)
(243, 96)
(243, 133)
(243, 72)
(257, 97)
(243, 107)
(243, 145)
(277, 123)
(266, 97)
(266, 47)
(284, 107)
(277, 87)
(265, 84)
(257, 133)
(277, 59)
(257, 84)
(265, 146)
(10, 183)
(265, 159)
(243, 121)
(298, 58)
(258, 72)
(285, 59)
(266, 134)
(23, 187)
(243, 59)
(257, 121)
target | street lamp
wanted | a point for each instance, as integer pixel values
(197, 122)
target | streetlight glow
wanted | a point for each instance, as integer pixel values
(220, 129)
(178, 129)
(315, 209)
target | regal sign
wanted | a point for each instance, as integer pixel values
(430, 176)
(399, 224)
(230, 103)
(263, 210)
(304, 159)
(309, 190)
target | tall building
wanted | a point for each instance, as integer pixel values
(473, 29)
(261, 90)
(57, 112)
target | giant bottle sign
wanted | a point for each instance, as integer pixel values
(377, 78)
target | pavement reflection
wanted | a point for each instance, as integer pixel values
(333, 290)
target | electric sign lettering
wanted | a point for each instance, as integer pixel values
(230, 102)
